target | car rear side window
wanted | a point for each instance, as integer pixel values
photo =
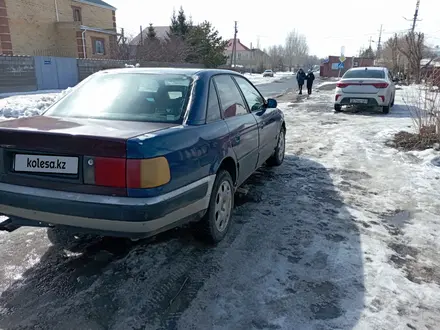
(213, 110)
(232, 104)
(369, 73)
(253, 98)
(127, 96)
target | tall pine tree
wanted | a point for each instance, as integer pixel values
(180, 26)
(151, 32)
(206, 46)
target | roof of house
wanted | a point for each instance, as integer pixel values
(239, 46)
(161, 33)
(99, 3)
(430, 63)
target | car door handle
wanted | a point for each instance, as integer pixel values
(237, 139)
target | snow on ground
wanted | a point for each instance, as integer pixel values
(28, 104)
(327, 85)
(344, 235)
(258, 79)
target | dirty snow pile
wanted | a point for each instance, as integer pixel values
(28, 105)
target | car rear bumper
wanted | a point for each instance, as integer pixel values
(122, 216)
(373, 100)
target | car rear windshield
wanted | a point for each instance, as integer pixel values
(146, 97)
(376, 74)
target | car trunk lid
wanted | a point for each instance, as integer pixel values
(51, 152)
(362, 86)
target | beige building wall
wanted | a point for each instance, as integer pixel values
(34, 29)
(31, 25)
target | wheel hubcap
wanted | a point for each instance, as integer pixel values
(223, 203)
(281, 145)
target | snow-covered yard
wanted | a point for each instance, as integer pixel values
(31, 104)
(258, 79)
(344, 235)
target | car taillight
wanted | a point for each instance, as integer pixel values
(110, 172)
(341, 85)
(380, 85)
(147, 173)
(126, 173)
(337, 96)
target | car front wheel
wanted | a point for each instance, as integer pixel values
(215, 224)
(278, 156)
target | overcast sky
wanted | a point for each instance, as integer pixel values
(326, 25)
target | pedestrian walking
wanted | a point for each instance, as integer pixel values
(310, 78)
(300, 77)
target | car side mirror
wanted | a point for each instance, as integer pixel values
(271, 103)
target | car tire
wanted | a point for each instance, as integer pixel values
(215, 224)
(338, 108)
(386, 109)
(278, 156)
(392, 102)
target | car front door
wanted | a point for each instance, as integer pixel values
(268, 124)
(242, 125)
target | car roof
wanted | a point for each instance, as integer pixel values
(379, 68)
(184, 71)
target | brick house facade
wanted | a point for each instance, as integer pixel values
(329, 68)
(70, 28)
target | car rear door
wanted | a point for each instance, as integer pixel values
(241, 123)
(268, 124)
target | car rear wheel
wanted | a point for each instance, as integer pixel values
(338, 108)
(386, 109)
(392, 102)
(216, 223)
(278, 156)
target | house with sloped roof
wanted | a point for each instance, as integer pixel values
(70, 28)
(161, 33)
(247, 57)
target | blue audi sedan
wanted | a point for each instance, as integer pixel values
(137, 151)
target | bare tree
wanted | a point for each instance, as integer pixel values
(295, 49)
(412, 48)
(276, 57)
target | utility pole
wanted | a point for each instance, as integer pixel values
(416, 14)
(415, 18)
(234, 49)
(371, 40)
(141, 42)
(379, 45)
(234, 45)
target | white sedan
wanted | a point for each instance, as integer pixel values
(366, 86)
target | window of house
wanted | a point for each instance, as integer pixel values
(77, 14)
(230, 98)
(98, 46)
